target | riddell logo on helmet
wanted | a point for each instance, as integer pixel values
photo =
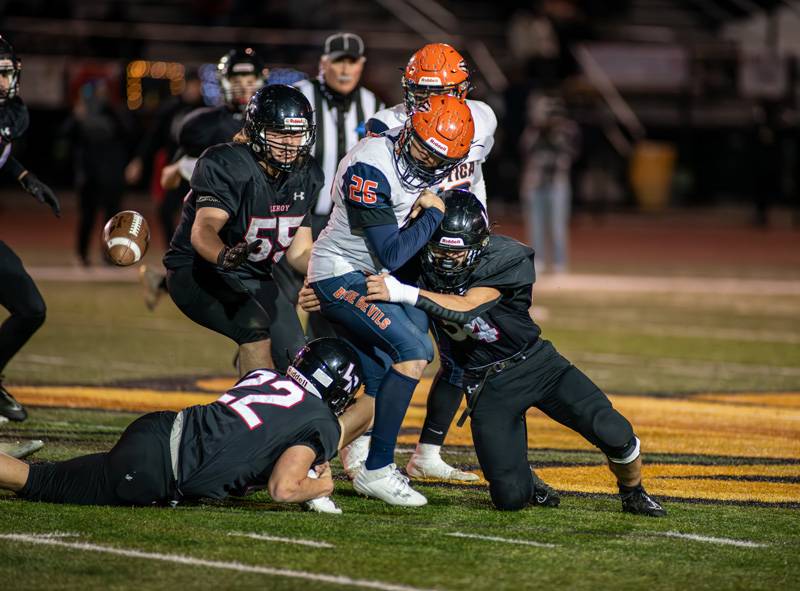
(447, 241)
(295, 121)
(243, 68)
(430, 81)
(437, 145)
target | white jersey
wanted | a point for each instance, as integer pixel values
(363, 105)
(469, 174)
(367, 182)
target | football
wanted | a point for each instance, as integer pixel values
(126, 237)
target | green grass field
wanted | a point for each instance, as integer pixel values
(654, 345)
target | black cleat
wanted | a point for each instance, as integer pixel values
(636, 500)
(10, 408)
(543, 494)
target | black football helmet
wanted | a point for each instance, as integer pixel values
(284, 110)
(456, 246)
(328, 368)
(11, 67)
(239, 62)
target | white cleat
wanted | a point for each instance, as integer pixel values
(388, 485)
(22, 449)
(323, 505)
(435, 468)
(354, 455)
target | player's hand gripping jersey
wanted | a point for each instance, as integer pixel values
(438, 69)
(378, 182)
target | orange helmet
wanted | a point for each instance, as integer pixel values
(437, 68)
(443, 127)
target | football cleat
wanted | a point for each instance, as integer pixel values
(636, 500)
(22, 449)
(388, 485)
(543, 494)
(431, 466)
(10, 408)
(354, 455)
(152, 286)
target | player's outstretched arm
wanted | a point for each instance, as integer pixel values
(31, 183)
(205, 232)
(299, 250)
(289, 481)
(455, 308)
(13, 473)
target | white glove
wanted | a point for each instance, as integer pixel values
(400, 293)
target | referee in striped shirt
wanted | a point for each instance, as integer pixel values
(341, 108)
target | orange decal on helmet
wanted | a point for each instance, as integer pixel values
(446, 126)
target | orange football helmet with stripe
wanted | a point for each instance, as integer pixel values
(435, 69)
(444, 128)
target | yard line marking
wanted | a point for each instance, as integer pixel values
(457, 534)
(709, 539)
(57, 535)
(266, 538)
(191, 561)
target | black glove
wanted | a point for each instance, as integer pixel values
(231, 257)
(41, 192)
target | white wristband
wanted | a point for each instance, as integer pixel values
(400, 293)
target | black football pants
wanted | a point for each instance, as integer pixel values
(20, 296)
(244, 311)
(137, 470)
(549, 382)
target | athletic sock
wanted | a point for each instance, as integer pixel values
(391, 404)
(442, 406)
(428, 451)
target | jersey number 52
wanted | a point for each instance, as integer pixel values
(275, 234)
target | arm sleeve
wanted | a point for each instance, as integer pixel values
(212, 183)
(394, 247)
(433, 309)
(14, 167)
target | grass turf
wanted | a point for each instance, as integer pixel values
(646, 343)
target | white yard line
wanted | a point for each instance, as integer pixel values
(456, 534)
(708, 539)
(266, 538)
(218, 564)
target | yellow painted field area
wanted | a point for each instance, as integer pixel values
(734, 425)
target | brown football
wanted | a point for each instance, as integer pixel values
(126, 237)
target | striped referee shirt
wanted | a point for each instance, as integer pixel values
(363, 106)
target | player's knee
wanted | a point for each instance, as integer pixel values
(614, 434)
(33, 315)
(412, 368)
(510, 494)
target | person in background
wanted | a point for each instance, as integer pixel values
(97, 133)
(548, 148)
(159, 147)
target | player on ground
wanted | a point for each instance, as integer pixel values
(18, 293)
(268, 430)
(248, 207)
(477, 289)
(380, 186)
(436, 69)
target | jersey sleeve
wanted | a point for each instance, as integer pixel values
(213, 184)
(509, 266)
(367, 196)
(375, 126)
(196, 131)
(485, 126)
(322, 436)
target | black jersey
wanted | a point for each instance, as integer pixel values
(504, 329)
(14, 119)
(229, 177)
(208, 126)
(232, 444)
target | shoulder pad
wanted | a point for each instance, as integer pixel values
(505, 264)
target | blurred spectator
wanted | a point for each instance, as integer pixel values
(97, 133)
(548, 147)
(159, 146)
